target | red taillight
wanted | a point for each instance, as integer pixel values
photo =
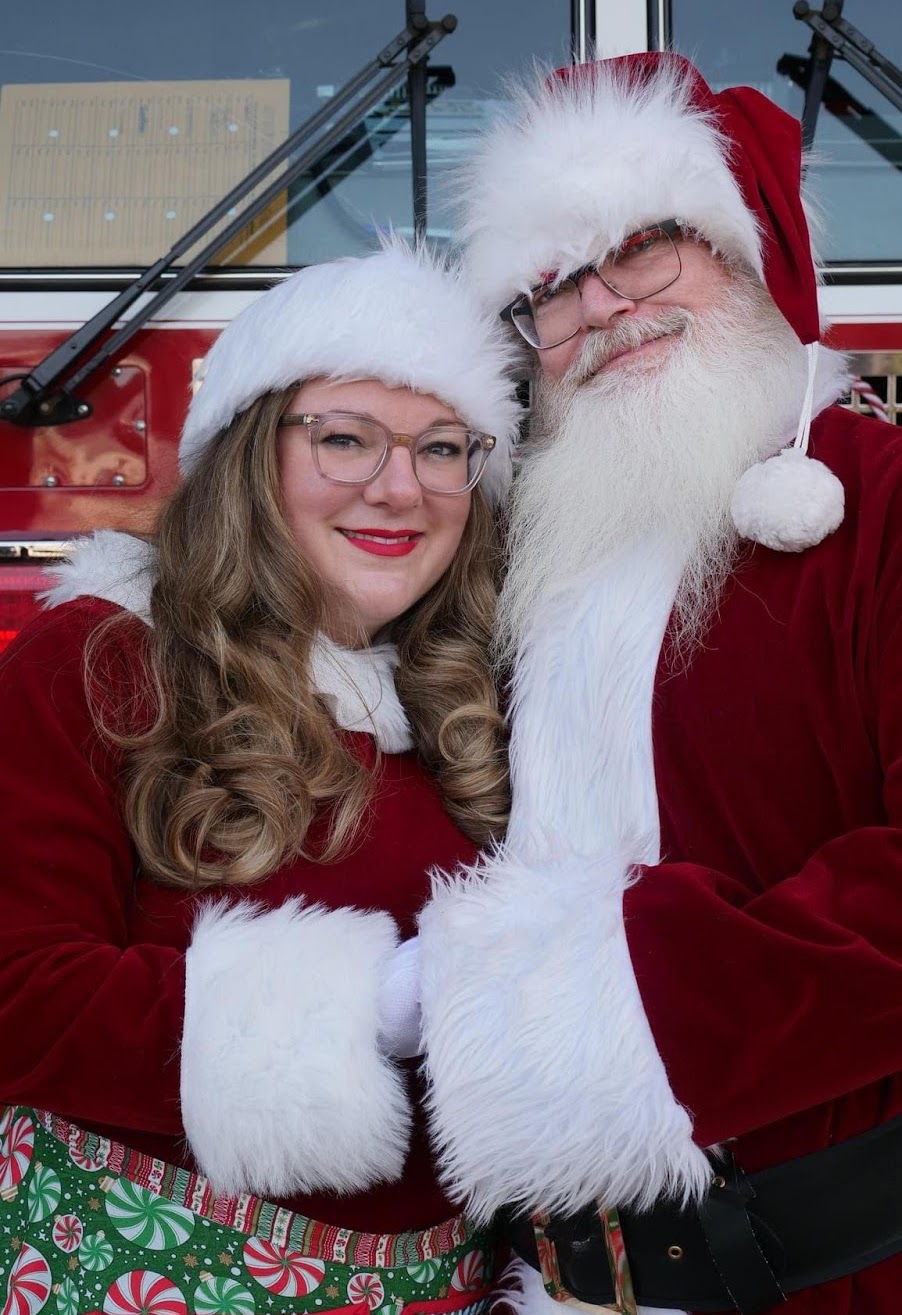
(18, 604)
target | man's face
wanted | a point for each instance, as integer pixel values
(652, 443)
(701, 283)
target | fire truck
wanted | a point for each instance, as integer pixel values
(161, 165)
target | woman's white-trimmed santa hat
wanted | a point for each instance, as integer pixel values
(596, 151)
(401, 316)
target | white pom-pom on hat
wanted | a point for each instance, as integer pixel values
(790, 502)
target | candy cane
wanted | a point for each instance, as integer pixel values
(872, 400)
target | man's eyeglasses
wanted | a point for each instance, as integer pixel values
(347, 448)
(645, 263)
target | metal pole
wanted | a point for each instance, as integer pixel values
(582, 30)
(660, 25)
(416, 96)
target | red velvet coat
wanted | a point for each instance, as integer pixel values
(768, 944)
(746, 986)
(92, 955)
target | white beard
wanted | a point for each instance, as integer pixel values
(651, 445)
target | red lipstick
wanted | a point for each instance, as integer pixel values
(384, 543)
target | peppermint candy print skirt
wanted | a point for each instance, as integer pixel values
(89, 1226)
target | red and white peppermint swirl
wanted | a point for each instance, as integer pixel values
(90, 1163)
(142, 1292)
(29, 1283)
(16, 1150)
(68, 1231)
(470, 1273)
(368, 1288)
(288, 1273)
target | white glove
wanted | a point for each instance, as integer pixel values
(398, 1002)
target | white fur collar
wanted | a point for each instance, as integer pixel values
(358, 685)
(582, 696)
(832, 379)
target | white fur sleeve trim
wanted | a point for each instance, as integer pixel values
(284, 1089)
(522, 1290)
(546, 1086)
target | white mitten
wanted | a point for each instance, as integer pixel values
(399, 1002)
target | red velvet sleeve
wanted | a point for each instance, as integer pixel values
(764, 1008)
(89, 1022)
(764, 1005)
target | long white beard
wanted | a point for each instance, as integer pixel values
(652, 445)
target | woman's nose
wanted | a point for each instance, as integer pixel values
(396, 484)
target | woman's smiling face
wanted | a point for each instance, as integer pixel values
(381, 545)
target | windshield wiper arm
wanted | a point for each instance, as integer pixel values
(41, 399)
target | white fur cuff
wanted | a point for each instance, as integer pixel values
(284, 1089)
(547, 1089)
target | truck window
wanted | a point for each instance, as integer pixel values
(119, 128)
(859, 189)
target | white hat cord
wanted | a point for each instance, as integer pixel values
(790, 502)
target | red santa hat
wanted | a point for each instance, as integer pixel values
(400, 316)
(597, 151)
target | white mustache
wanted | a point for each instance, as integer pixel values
(626, 335)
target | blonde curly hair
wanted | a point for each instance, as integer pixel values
(223, 778)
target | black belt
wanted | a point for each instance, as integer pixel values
(752, 1240)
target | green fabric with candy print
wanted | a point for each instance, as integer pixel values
(88, 1226)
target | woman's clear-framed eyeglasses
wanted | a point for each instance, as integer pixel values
(645, 263)
(348, 448)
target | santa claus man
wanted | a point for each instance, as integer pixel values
(663, 1024)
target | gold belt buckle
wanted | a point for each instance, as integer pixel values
(624, 1297)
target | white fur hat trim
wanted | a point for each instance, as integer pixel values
(603, 155)
(789, 502)
(400, 316)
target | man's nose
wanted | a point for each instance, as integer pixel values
(396, 485)
(601, 306)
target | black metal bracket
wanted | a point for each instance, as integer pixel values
(416, 92)
(364, 140)
(859, 118)
(835, 38)
(43, 398)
